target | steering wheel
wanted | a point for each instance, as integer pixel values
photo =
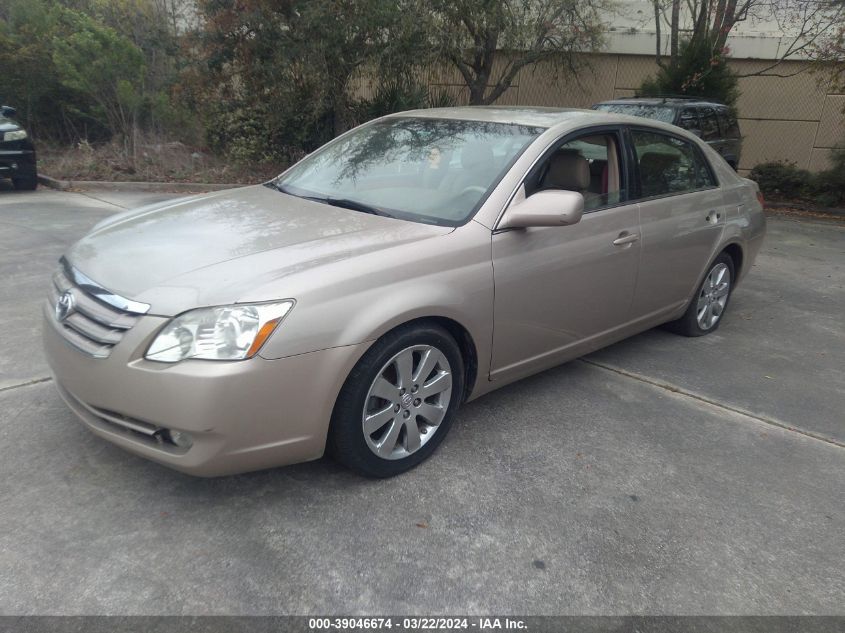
(472, 188)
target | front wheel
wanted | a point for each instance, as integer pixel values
(710, 301)
(399, 401)
(26, 183)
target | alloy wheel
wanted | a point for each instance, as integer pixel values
(407, 401)
(713, 296)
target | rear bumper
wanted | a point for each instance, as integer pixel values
(241, 416)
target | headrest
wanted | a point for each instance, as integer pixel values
(568, 170)
(477, 156)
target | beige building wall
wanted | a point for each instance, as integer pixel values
(792, 118)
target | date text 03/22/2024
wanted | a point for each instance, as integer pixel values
(419, 624)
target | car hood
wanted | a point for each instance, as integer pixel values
(218, 248)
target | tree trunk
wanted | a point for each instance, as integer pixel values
(700, 28)
(658, 52)
(674, 28)
(340, 101)
(477, 90)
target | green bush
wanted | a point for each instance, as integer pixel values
(258, 131)
(786, 181)
(397, 95)
(781, 180)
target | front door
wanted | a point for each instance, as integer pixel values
(559, 289)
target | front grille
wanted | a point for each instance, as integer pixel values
(92, 325)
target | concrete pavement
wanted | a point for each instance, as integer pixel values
(588, 489)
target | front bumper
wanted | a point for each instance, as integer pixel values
(242, 416)
(16, 161)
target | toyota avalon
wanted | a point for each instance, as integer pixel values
(419, 261)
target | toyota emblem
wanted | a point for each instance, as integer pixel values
(65, 306)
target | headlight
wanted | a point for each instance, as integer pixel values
(14, 135)
(224, 333)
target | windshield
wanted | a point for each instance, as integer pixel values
(437, 171)
(645, 110)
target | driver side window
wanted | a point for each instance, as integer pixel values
(588, 164)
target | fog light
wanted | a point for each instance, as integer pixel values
(180, 439)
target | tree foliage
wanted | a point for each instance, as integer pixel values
(268, 79)
(103, 66)
(698, 70)
(289, 65)
(806, 24)
(490, 41)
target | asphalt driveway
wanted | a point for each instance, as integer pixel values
(661, 475)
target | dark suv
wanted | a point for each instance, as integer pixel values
(17, 154)
(714, 122)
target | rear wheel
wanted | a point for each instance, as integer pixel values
(705, 311)
(399, 401)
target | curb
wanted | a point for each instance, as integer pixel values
(803, 206)
(164, 187)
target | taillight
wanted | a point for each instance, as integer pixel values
(760, 198)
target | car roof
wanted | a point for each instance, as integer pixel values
(538, 117)
(670, 101)
(520, 115)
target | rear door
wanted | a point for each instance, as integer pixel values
(682, 217)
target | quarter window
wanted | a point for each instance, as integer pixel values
(728, 122)
(669, 165)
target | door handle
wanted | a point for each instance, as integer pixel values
(713, 216)
(626, 238)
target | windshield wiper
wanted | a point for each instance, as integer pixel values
(354, 205)
(280, 188)
(344, 203)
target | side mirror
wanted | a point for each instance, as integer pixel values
(7, 111)
(545, 208)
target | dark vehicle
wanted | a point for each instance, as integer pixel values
(17, 154)
(712, 121)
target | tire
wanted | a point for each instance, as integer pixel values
(387, 445)
(26, 183)
(708, 297)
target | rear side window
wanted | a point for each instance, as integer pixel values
(709, 124)
(669, 165)
(728, 122)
